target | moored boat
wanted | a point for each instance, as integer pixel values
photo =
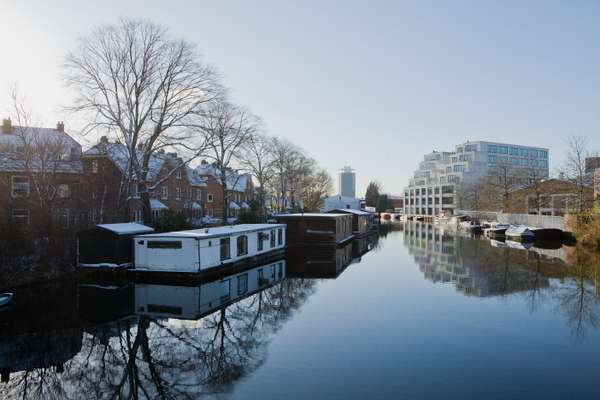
(519, 233)
(496, 230)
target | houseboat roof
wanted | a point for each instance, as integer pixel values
(349, 211)
(126, 228)
(310, 215)
(215, 232)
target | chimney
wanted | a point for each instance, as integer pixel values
(203, 162)
(60, 126)
(6, 126)
(104, 140)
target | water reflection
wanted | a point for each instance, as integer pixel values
(565, 276)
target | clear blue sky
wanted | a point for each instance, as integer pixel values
(371, 84)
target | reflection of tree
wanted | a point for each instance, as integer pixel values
(577, 298)
(166, 359)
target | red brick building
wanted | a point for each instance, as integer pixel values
(173, 186)
(40, 179)
(240, 191)
(550, 197)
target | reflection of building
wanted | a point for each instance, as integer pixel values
(473, 266)
(433, 188)
(194, 302)
(318, 261)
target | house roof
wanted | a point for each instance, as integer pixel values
(310, 215)
(235, 181)
(348, 211)
(156, 204)
(11, 160)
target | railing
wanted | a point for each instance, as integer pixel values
(538, 221)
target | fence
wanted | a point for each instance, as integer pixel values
(538, 221)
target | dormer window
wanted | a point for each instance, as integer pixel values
(94, 166)
(165, 193)
(178, 174)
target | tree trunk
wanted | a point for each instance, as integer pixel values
(146, 207)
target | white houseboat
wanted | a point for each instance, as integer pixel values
(201, 250)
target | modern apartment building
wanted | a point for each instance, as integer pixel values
(434, 186)
(347, 182)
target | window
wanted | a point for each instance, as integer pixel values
(280, 270)
(163, 244)
(279, 236)
(272, 238)
(20, 217)
(178, 193)
(260, 237)
(242, 282)
(464, 157)
(242, 245)
(178, 174)
(94, 166)
(225, 251)
(136, 215)
(198, 194)
(62, 191)
(61, 216)
(135, 191)
(514, 151)
(20, 186)
(209, 198)
(471, 147)
(492, 148)
(492, 159)
(459, 168)
(165, 193)
(503, 149)
(260, 277)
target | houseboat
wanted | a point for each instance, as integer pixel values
(315, 228)
(360, 220)
(519, 233)
(496, 230)
(108, 246)
(205, 251)
(193, 302)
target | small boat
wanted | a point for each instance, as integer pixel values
(519, 233)
(496, 230)
(5, 299)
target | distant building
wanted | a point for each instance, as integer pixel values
(591, 164)
(550, 197)
(347, 182)
(334, 202)
(433, 188)
(396, 202)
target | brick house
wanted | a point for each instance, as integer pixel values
(174, 186)
(40, 173)
(549, 197)
(240, 191)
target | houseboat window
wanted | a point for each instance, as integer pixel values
(280, 270)
(242, 245)
(279, 237)
(225, 290)
(242, 284)
(273, 271)
(260, 237)
(163, 244)
(225, 254)
(272, 238)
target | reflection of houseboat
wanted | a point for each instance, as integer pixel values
(102, 303)
(314, 228)
(194, 302)
(318, 261)
(204, 250)
(108, 245)
(360, 220)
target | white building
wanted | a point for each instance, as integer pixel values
(433, 188)
(335, 202)
(347, 182)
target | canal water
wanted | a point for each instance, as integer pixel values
(412, 312)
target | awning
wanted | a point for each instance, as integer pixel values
(193, 205)
(233, 205)
(157, 205)
(245, 205)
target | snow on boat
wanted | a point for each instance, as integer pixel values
(5, 299)
(519, 233)
(198, 250)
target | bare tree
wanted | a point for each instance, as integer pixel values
(257, 157)
(575, 170)
(226, 129)
(282, 151)
(317, 187)
(143, 87)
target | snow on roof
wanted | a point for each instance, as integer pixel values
(245, 205)
(193, 204)
(193, 178)
(233, 205)
(235, 181)
(126, 228)
(119, 154)
(12, 145)
(349, 211)
(217, 231)
(156, 204)
(311, 215)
